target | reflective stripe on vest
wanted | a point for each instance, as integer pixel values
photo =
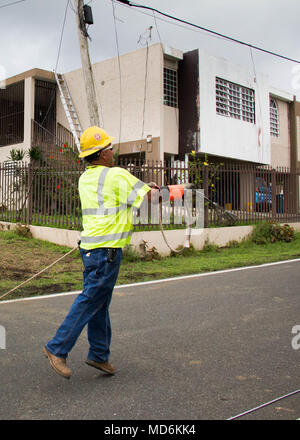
(108, 211)
(109, 226)
(110, 237)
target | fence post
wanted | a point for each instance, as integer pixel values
(274, 205)
(294, 192)
(206, 194)
(30, 186)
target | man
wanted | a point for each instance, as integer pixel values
(108, 194)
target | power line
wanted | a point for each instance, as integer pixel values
(11, 4)
(145, 84)
(120, 75)
(135, 5)
(58, 55)
(182, 26)
(62, 34)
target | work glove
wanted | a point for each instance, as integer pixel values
(153, 185)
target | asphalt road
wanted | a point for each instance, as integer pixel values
(199, 348)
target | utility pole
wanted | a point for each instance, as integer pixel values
(86, 65)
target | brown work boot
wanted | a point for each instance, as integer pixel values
(103, 366)
(58, 364)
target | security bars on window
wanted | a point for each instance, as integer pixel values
(274, 121)
(170, 87)
(235, 101)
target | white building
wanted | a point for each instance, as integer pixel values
(160, 104)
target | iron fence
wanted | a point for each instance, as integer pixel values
(46, 193)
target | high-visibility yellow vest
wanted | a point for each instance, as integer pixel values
(107, 197)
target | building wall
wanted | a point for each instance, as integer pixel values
(281, 145)
(170, 130)
(5, 151)
(295, 114)
(229, 137)
(295, 145)
(298, 142)
(131, 112)
(138, 111)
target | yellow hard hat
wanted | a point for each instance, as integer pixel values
(93, 139)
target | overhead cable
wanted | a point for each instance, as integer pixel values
(61, 35)
(120, 74)
(136, 5)
(11, 4)
(57, 60)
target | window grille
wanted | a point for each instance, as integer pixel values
(274, 119)
(235, 101)
(170, 87)
(12, 114)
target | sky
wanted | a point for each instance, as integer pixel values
(31, 30)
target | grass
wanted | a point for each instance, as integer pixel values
(22, 257)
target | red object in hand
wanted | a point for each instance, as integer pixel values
(176, 192)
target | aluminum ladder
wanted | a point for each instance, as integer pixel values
(69, 108)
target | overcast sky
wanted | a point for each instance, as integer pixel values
(31, 30)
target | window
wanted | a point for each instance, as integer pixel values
(170, 87)
(274, 120)
(235, 101)
(12, 114)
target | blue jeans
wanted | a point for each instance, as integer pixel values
(90, 307)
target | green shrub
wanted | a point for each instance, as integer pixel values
(283, 233)
(16, 154)
(130, 254)
(23, 231)
(269, 232)
(210, 247)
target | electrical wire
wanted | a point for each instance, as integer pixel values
(61, 36)
(11, 4)
(156, 27)
(161, 44)
(182, 26)
(235, 40)
(120, 76)
(264, 405)
(187, 243)
(37, 274)
(57, 60)
(145, 93)
(259, 104)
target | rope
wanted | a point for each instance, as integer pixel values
(187, 243)
(34, 276)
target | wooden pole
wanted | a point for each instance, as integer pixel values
(87, 67)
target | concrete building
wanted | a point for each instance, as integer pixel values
(160, 104)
